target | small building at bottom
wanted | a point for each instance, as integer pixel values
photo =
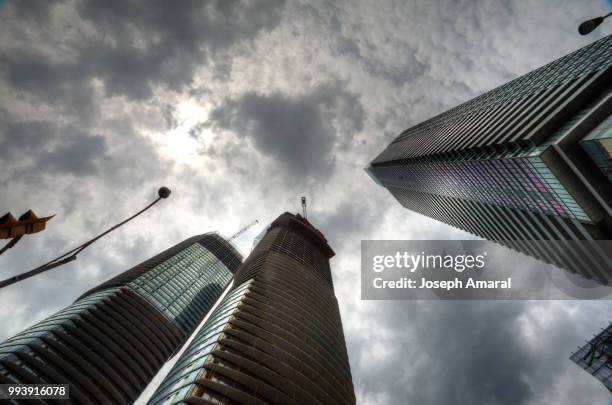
(595, 357)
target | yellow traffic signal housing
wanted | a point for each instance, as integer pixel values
(28, 223)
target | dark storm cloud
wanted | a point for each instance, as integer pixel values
(45, 147)
(132, 47)
(488, 361)
(46, 154)
(351, 216)
(80, 156)
(33, 11)
(460, 353)
(20, 140)
(468, 353)
(299, 132)
(57, 83)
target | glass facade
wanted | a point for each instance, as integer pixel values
(598, 144)
(58, 321)
(181, 380)
(106, 346)
(112, 341)
(519, 182)
(595, 357)
(185, 286)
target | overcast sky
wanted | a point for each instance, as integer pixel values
(242, 107)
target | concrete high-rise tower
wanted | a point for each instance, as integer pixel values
(276, 337)
(529, 160)
(110, 343)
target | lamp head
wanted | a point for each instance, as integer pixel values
(163, 192)
(589, 25)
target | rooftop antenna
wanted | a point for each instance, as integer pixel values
(304, 207)
(243, 230)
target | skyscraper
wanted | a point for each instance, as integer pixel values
(595, 357)
(529, 160)
(277, 335)
(110, 343)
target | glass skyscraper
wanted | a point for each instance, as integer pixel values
(110, 343)
(529, 160)
(595, 357)
(276, 337)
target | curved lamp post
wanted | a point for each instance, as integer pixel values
(71, 255)
(589, 25)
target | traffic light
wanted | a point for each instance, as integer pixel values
(28, 223)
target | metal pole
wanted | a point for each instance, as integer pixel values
(10, 244)
(72, 254)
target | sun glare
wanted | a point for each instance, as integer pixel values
(183, 142)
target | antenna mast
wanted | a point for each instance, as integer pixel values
(304, 207)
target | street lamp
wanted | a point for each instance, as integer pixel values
(589, 25)
(163, 192)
